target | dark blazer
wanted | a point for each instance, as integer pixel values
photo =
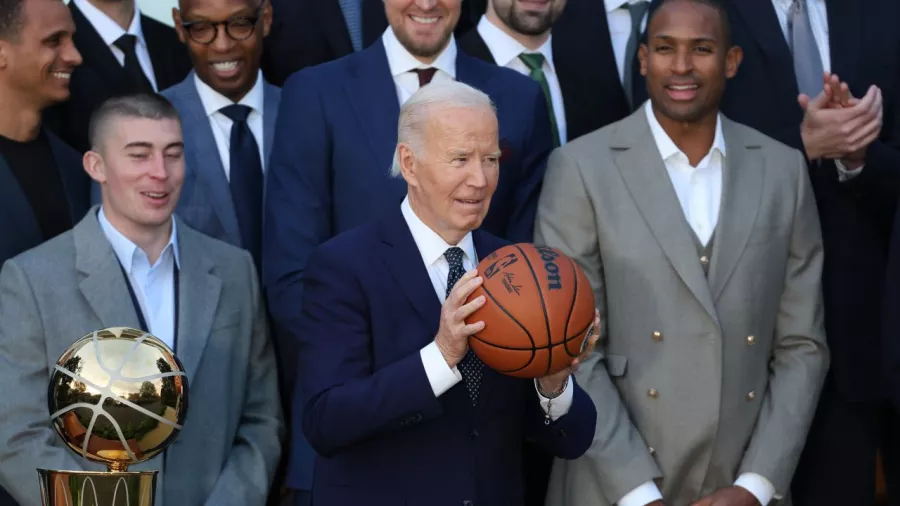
(309, 32)
(368, 407)
(855, 216)
(585, 65)
(101, 77)
(329, 170)
(20, 226)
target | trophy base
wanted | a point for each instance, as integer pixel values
(78, 488)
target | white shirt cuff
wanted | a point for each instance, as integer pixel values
(760, 487)
(845, 174)
(641, 496)
(440, 375)
(560, 405)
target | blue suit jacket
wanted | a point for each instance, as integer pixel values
(20, 230)
(329, 170)
(205, 202)
(368, 407)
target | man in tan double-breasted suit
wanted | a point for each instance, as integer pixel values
(701, 240)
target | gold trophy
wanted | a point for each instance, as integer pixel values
(118, 396)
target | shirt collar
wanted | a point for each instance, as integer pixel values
(108, 29)
(126, 250)
(505, 49)
(667, 148)
(213, 101)
(612, 5)
(431, 245)
(402, 61)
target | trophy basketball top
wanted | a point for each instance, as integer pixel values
(118, 396)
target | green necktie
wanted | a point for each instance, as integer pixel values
(534, 62)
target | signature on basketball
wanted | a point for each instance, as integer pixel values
(508, 278)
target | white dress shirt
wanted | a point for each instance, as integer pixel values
(699, 191)
(110, 31)
(432, 247)
(153, 285)
(506, 51)
(213, 101)
(402, 64)
(619, 19)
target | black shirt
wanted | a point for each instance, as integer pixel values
(34, 167)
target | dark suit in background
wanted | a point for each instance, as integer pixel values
(20, 230)
(306, 33)
(856, 215)
(101, 76)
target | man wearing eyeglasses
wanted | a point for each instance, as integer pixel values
(124, 52)
(228, 111)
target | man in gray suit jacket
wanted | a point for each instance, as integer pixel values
(131, 263)
(701, 240)
(228, 112)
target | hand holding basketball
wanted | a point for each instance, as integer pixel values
(554, 382)
(453, 335)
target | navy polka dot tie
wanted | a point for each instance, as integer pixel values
(470, 366)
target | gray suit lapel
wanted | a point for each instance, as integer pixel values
(271, 98)
(742, 184)
(204, 156)
(198, 297)
(645, 175)
(102, 282)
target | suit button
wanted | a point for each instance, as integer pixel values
(751, 395)
(468, 503)
(704, 260)
(417, 418)
(473, 433)
(751, 340)
(652, 393)
(651, 450)
(657, 335)
(563, 433)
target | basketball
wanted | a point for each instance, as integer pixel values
(538, 311)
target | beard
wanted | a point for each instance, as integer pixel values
(528, 23)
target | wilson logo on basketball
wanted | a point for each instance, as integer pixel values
(549, 257)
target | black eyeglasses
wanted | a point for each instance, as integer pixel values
(238, 28)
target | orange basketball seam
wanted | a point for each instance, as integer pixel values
(543, 308)
(571, 308)
(513, 318)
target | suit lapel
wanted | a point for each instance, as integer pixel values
(19, 214)
(206, 163)
(742, 184)
(763, 23)
(645, 175)
(271, 97)
(198, 297)
(404, 263)
(473, 44)
(468, 71)
(160, 58)
(96, 54)
(373, 94)
(102, 283)
(73, 178)
(845, 29)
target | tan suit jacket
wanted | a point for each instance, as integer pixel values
(696, 380)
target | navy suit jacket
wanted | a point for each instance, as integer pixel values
(855, 215)
(205, 203)
(20, 231)
(329, 170)
(368, 407)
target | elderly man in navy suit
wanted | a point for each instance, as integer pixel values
(336, 134)
(398, 408)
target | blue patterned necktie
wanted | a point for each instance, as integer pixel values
(246, 179)
(353, 17)
(470, 366)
